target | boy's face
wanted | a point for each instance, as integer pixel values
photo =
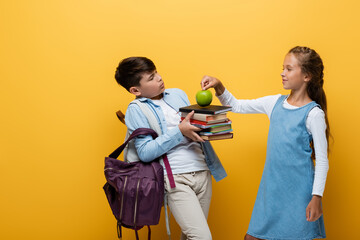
(150, 86)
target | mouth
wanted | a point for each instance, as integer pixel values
(162, 85)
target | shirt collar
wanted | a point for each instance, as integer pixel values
(144, 99)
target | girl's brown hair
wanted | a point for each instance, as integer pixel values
(311, 63)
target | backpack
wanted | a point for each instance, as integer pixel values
(135, 189)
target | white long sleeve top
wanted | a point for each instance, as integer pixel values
(315, 124)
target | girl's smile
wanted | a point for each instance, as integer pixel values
(292, 76)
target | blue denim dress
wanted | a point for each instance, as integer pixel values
(286, 185)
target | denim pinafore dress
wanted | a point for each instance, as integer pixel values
(286, 186)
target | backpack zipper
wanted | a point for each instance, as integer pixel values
(136, 201)
(117, 170)
(122, 199)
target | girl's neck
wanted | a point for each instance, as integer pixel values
(298, 98)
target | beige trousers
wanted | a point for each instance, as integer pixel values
(189, 202)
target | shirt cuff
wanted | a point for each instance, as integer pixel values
(317, 193)
(223, 98)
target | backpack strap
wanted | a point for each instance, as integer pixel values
(130, 150)
(149, 115)
(155, 125)
(153, 122)
(121, 116)
(130, 154)
(140, 131)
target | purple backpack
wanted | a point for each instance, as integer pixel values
(135, 191)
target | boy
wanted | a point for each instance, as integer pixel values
(192, 160)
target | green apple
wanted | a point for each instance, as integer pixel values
(203, 97)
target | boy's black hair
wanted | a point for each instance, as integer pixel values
(129, 71)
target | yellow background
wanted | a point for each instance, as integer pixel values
(59, 98)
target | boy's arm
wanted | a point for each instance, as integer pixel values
(147, 148)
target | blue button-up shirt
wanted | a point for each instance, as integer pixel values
(149, 149)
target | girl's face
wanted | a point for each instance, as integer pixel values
(292, 76)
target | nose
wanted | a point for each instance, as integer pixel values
(282, 74)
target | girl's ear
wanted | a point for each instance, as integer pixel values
(135, 91)
(307, 77)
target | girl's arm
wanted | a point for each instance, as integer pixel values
(317, 126)
(259, 105)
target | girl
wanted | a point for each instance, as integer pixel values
(288, 203)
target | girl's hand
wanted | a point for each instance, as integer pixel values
(211, 82)
(189, 130)
(314, 209)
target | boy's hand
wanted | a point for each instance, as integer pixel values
(314, 209)
(208, 82)
(189, 130)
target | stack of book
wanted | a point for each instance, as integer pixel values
(211, 119)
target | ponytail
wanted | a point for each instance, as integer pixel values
(317, 94)
(312, 64)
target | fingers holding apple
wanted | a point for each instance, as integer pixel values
(212, 82)
(208, 82)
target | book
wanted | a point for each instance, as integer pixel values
(205, 117)
(217, 129)
(215, 133)
(211, 122)
(205, 125)
(211, 109)
(218, 137)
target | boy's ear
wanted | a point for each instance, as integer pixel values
(135, 91)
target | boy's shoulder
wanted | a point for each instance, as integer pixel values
(176, 96)
(134, 109)
(175, 91)
(171, 94)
